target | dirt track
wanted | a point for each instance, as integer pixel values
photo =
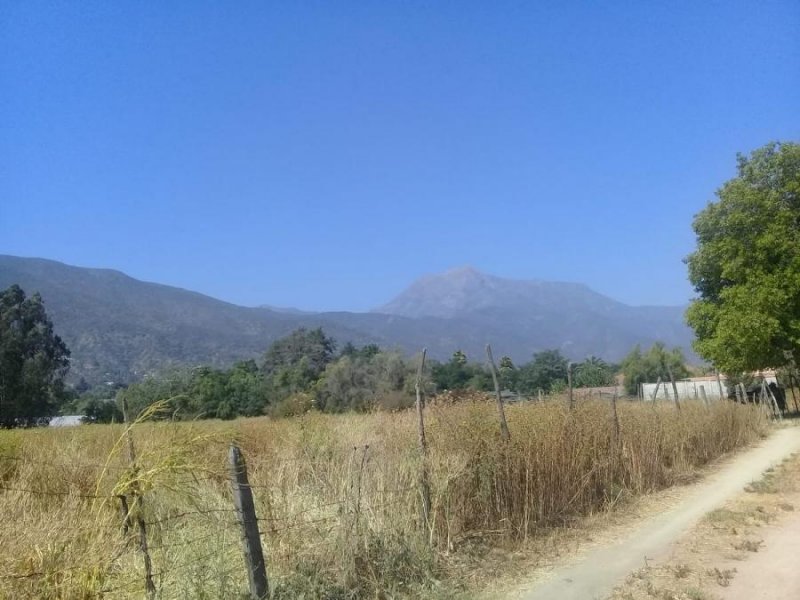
(594, 575)
(771, 574)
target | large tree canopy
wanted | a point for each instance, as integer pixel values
(746, 269)
(33, 360)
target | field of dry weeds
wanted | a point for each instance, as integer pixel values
(337, 496)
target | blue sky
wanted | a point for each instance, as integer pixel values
(324, 154)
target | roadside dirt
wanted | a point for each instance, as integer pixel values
(634, 545)
(746, 549)
(772, 574)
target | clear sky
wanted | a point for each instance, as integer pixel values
(324, 154)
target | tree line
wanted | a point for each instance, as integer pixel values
(306, 371)
(302, 371)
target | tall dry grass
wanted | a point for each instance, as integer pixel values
(338, 496)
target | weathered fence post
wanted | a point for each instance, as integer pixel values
(792, 383)
(789, 356)
(246, 515)
(125, 513)
(674, 387)
(655, 391)
(616, 415)
(425, 486)
(703, 394)
(569, 385)
(719, 384)
(540, 395)
(138, 505)
(769, 395)
(504, 433)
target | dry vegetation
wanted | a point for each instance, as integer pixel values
(338, 496)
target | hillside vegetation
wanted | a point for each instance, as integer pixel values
(338, 496)
(120, 329)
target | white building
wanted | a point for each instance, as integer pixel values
(691, 388)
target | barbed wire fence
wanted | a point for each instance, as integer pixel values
(149, 566)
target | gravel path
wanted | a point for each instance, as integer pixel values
(596, 573)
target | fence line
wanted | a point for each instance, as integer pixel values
(155, 516)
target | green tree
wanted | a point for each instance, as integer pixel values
(312, 345)
(246, 389)
(746, 269)
(508, 373)
(646, 367)
(295, 363)
(175, 386)
(367, 351)
(547, 371)
(33, 360)
(455, 374)
(101, 411)
(593, 372)
(362, 382)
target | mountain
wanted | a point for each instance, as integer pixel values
(541, 314)
(120, 329)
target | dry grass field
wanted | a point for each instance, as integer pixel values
(337, 496)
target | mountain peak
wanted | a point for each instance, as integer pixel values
(465, 290)
(463, 271)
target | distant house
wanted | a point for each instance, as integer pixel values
(67, 421)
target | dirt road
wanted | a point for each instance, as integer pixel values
(772, 573)
(594, 575)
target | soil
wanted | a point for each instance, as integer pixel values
(772, 573)
(639, 549)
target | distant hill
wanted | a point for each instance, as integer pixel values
(541, 314)
(120, 328)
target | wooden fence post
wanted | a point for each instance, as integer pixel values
(655, 391)
(616, 415)
(125, 513)
(722, 394)
(569, 385)
(768, 393)
(246, 515)
(674, 387)
(504, 433)
(138, 505)
(703, 394)
(425, 486)
(792, 383)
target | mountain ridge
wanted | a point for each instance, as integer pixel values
(121, 329)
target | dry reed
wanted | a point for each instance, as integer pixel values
(337, 496)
